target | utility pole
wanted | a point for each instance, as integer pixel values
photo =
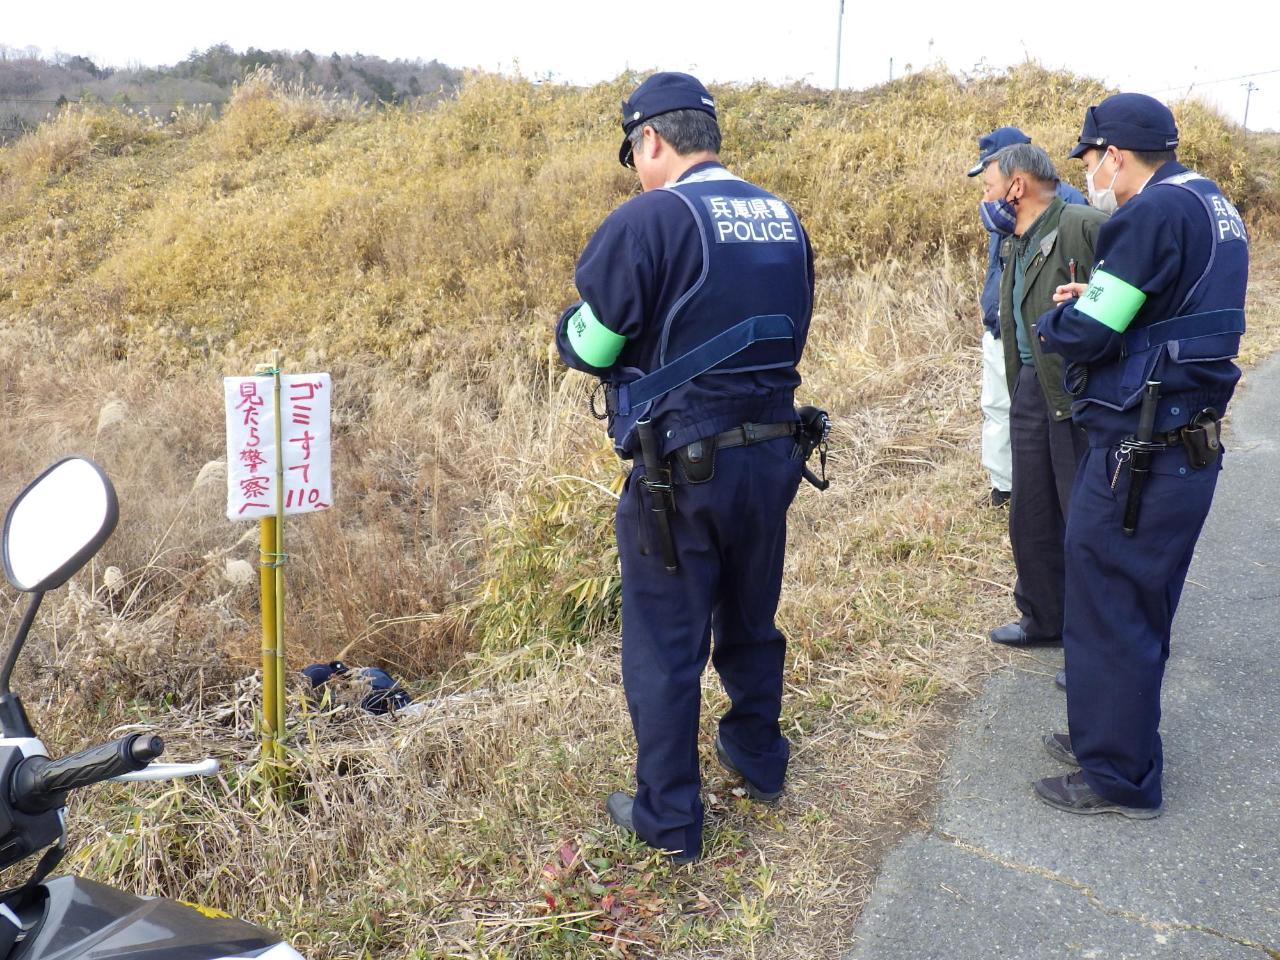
(1248, 92)
(839, 39)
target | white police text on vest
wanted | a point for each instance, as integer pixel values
(751, 220)
(1229, 223)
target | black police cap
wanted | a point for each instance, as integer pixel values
(992, 143)
(659, 94)
(1128, 121)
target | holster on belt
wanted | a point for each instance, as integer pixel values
(1203, 439)
(811, 435)
(657, 483)
(698, 460)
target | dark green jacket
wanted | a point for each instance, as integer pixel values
(1064, 232)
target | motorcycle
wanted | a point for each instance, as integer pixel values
(51, 530)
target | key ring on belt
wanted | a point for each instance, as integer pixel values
(1123, 453)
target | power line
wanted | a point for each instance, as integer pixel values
(1209, 83)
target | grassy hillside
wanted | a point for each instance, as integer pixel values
(422, 258)
(314, 224)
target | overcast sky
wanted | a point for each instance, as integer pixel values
(1164, 49)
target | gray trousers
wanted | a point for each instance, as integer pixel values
(1045, 456)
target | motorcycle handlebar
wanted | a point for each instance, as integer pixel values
(41, 784)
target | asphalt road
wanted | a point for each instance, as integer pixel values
(1002, 875)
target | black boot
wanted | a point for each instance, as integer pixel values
(619, 807)
(754, 792)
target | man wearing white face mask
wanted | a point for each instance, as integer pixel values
(1149, 346)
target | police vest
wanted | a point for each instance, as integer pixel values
(1191, 352)
(741, 313)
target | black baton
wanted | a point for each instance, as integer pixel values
(657, 481)
(1140, 458)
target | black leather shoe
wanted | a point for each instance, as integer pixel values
(1013, 635)
(1060, 680)
(1058, 746)
(999, 498)
(619, 807)
(1073, 795)
(754, 792)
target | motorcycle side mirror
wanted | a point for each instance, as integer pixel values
(51, 530)
(57, 523)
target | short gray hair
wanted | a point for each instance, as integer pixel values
(688, 131)
(1026, 158)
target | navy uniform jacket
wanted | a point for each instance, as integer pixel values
(1153, 254)
(648, 267)
(990, 299)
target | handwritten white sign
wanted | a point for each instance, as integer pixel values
(251, 444)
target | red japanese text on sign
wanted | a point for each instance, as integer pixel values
(252, 468)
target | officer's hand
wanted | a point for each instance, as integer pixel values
(1069, 291)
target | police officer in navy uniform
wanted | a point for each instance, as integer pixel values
(696, 300)
(1149, 345)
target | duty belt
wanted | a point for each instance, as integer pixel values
(809, 432)
(699, 457)
(698, 462)
(1177, 438)
(749, 433)
(1172, 438)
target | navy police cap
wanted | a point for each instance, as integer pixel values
(659, 94)
(1128, 121)
(992, 143)
(320, 673)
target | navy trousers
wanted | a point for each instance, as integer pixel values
(1121, 595)
(730, 535)
(1045, 455)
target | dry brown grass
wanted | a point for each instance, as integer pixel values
(420, 259)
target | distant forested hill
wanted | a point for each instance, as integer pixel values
(32, 86)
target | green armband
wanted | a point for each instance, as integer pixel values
(1111, 301)
(591, 340)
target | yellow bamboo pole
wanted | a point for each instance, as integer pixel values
(279, 568)
(270, 661)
